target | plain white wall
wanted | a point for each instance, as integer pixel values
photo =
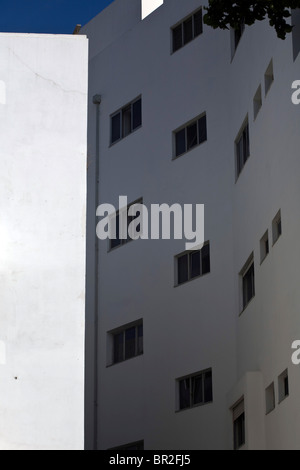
(42, 240)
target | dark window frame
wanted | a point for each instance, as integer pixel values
(200, 122)
(247, 288)
(206, 395)
(122, 112)
(180, 28)
(118, 242)
(242, 148)
(189, 255)
(138, 351)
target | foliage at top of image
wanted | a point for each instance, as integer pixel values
(224, 14)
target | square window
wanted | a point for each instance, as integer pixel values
(270, 398)
(191, 135)
(195, 390)
(125, 121)
(283, 386)
(193, 264)
(125, 343)
(187, 30)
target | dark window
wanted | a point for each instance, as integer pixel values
(116, 127)
(283, 386)
(248, 285)
(277, 227)
(239, 432)
(188, 30)
(195, 390)
(242, 149)
(128, 343)
(126, 120)
(180, 142)
(115, 242)
(177, 38)
(190, 136)
(193, 264)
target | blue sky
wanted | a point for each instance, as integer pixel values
(47, 16)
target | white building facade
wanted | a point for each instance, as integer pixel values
(193, 352)
(43, 115)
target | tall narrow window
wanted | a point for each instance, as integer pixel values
(248, 282)
(122, 222)
(242, 146)
(257, 102)
(239, 432)
(283, 386)
(187, 30)
(270, 398)
(264, 246)
(126, 120)
(276, 227)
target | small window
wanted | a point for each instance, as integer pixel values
(257, 102)
(264, 246)
(191, 135)
(242, 147)
(126, 342)
(193, 264)
(187, 30)
(277, 227)
(248, 282)
(125, 219)
(195, 390)
(239, 431)
(125, 121)
(269, 77)
(283, 386)
(270, 398)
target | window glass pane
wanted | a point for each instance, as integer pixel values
(208, 389)
(116, 242)
(279, 228)
(195, 264)
(118, 348)
(188, 30)
(205, 254)
(140, 339)
(182, 266)
(239, 432)
(246, 148)
(130, 343)
(202, 129)
(240, 155)
(197, 383)
(126, 121)
(192, 136)
(286, 386)
(248, 286)
(198, 28)
(115, 128)
(177, 38)
(184, 394)
(180, 142)
(137, 114)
